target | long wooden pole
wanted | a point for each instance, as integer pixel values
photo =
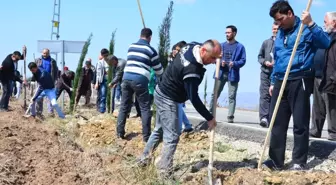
(283, 85)
(142, 18)
(212, 132)
(25, 81)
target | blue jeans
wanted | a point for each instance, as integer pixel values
(118, 91)
(102, 93)
(183, 119)
(51, 94)
(167, 127)
(130, 87)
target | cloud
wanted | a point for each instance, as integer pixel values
(185, 1)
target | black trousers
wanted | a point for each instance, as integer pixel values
(324, 106)
(295, 102)
(60, 90)
(6, 93)
(265, 97)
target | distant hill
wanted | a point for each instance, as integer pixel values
(245, 100)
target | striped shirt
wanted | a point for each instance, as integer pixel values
(141, 58)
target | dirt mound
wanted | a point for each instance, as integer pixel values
(33, 153)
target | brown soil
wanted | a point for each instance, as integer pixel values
(80, 151)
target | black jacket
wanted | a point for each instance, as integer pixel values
(182, 77)
(328, 83)
(119, 71)
(7, 71)
(265, 55)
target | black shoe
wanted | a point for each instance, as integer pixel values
(269, 164)
(230, 119)
(4, 110)
(187, 130)
(263, 123)
(120, 136)
(314, 135)
(298, 167)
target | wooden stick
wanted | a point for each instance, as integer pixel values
(212, 132)
(25, 81)
(283, 85)
(142, 18)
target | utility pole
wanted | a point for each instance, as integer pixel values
(55, 33)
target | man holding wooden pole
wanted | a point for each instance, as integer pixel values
(295, 100)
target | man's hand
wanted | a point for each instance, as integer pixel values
(271, 90)
(112, 86)
(231, 64)
(96, 86)
(71, 89)
(212, 123)
(306, 18)
(223, 63)
(268, 64)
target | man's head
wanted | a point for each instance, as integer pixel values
(104, 53)
(88, 63)
(283, 14)
(177, 47)
(112, 60)
(16, 56)
(45, 53)
(231, 32)
(32, 67)
(146, 34)
(65, 68)
(275, 29)
(210, 51)
(330, 22)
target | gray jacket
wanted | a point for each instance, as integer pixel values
(265, 55)
(119, 71)
(100, 71)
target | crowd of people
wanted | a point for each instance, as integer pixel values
(142, 81)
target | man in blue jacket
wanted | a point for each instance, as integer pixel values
(296, 97)
(234, 57)
(46, 88)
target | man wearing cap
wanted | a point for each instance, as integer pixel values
(84, 83)
(7, 75)
(49, 65)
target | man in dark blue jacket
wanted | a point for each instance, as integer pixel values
(234, 57)
(179, 82)
(46, 88)
(296, 97)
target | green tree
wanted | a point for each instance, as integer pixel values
(164, 36)
(110, 74)
(78, 72)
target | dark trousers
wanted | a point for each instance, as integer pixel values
(6, 93)
(265, 97)
(137, 107)
(295, 101)
(60, 90)
(324, 106)
(128, 88)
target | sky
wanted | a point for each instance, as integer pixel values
(24, 22)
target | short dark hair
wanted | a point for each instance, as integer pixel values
(181, 44)
(233, 28)
(174, 47)
(146, 32)
(17, 53)
(280, 6)
(32, 65)
(104, 51)
(112, 57)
